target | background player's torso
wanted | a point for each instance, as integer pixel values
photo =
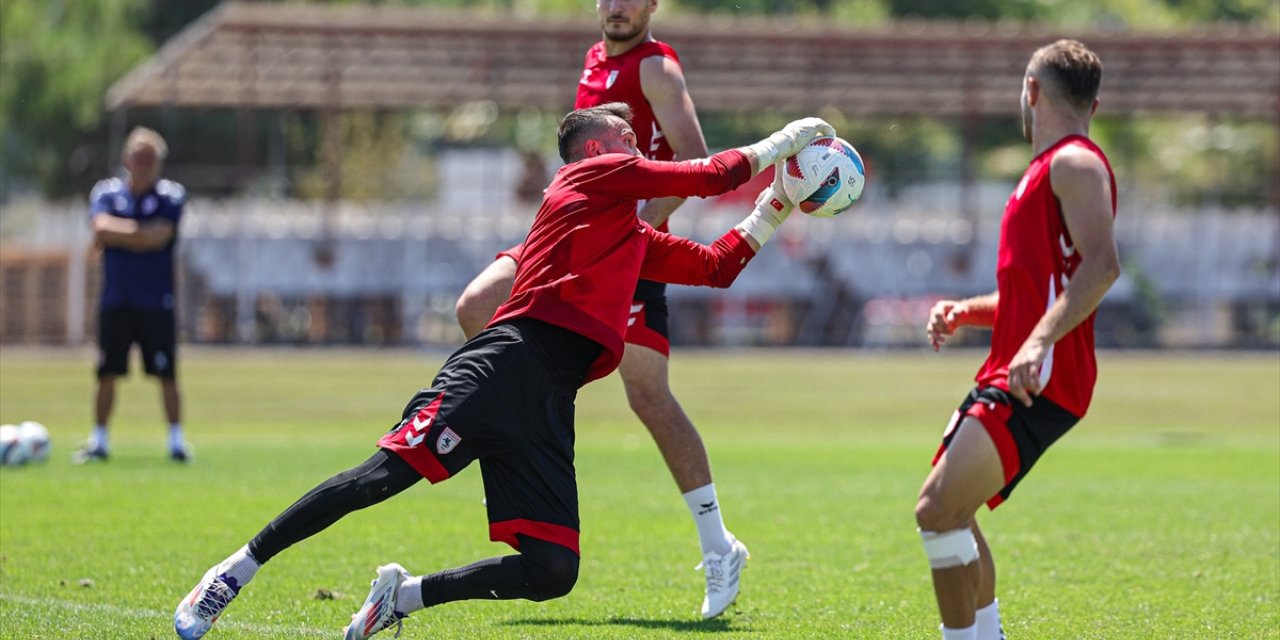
(617, 79)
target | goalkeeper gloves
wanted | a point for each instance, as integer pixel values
(772, 208)
(790, 140)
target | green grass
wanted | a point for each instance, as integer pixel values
(1158, 517)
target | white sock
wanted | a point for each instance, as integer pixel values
(175, 436)
(240, 565)
(706, 515)
(967, 633)
(99, 436)
(987, 620)
(409, 599)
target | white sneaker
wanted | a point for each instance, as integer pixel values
(723, 572)
(200, 609)
(379, 610)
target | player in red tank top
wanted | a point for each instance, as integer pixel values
(628, 65)
(1057, 258)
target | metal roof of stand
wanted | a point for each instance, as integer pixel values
(286, 56)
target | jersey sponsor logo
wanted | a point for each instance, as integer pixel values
(447, 441)
(613, 77)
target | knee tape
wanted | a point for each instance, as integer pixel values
(949, 549)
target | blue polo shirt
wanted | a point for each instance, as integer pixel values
(138, 279)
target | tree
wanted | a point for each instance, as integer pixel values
(57, 59)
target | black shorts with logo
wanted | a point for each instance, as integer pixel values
(155, 333)
(506, 398)
(1020, 433)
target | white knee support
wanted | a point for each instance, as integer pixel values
(948, 549)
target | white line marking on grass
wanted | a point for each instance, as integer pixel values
(146, 614)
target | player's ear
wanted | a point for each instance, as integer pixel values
(1033, 90)
(592, 148)
(1093, 109)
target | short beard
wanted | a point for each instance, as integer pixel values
(622, 37)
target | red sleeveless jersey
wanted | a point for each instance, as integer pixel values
(617, 79)
(1036, 261)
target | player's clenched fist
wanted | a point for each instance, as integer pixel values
(944, 318)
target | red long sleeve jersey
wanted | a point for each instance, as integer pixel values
(586, 248)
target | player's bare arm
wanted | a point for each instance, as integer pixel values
(1083, 188)
(664, 87)
(948, 315)
(123, 233)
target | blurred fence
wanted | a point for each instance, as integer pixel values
(264, 271)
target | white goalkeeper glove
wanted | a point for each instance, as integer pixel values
(790, 140)
(772, 208)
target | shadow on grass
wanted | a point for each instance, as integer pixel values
(682, 625)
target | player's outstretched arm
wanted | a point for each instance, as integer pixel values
(786, 142)
(678, 260)
(1083, 187)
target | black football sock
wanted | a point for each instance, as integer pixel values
(541, 571)
(383, 475)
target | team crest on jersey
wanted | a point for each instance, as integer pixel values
(613, 77)
(447, 441)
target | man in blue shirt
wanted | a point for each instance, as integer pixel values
(135, 223)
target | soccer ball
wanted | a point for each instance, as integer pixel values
(825, 178)
(11, 452)
(20, 444)
(33, 437)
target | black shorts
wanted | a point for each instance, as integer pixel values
(155, 333)
(1021, 433)
(647, 324)
(506, 399)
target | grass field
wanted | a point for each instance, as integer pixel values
(1158, 517)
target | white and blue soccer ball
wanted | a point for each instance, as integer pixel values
(825, 178)
(23, 443)
(10, 452)
(35, 440)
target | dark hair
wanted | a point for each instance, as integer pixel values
(580, 124)
(1073, 68)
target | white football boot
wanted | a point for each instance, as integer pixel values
(723, 572)
(200, 609)
(379, 610)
